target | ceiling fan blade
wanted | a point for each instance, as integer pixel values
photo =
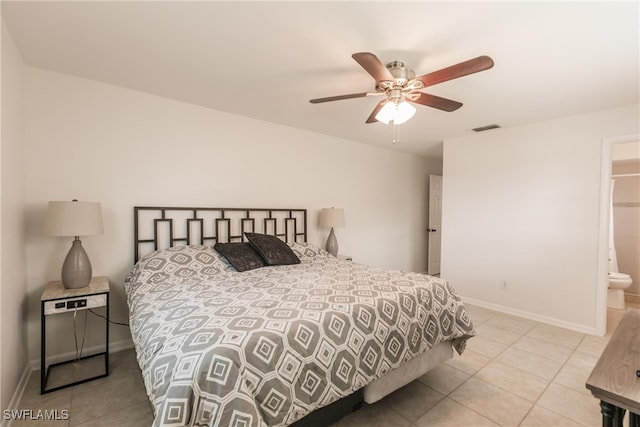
(339, 97)
(435, 102)
(465, 68)
(372, 116)
(372, 65)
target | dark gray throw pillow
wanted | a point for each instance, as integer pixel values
(241, 256)
(273, 250)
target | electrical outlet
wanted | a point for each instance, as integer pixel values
(79, 303)
(503, 285)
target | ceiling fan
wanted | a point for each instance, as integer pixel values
(400, 87)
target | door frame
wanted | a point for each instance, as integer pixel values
(603, 229)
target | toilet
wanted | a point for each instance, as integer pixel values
(618, 282)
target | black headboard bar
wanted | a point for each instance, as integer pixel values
(288, 224)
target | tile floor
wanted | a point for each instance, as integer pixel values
(515, 372)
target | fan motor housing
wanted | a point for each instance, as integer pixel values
(400, 73)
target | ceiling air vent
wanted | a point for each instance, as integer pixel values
(487, 127)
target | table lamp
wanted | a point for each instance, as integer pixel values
(74, 219)
(330, 218)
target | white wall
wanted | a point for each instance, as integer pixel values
(13, 282)
(123, 148)
(522, 205)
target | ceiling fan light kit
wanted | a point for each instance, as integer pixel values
(400, 87)
(398, 113)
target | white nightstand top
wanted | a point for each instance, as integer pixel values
(56, 290)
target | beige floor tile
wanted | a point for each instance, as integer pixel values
(531, 363)
(60, 375)
(79, 370)
(544, 349)
(513, 324)
(123, 362)
(571, 404)
(444, 378)
(33, 404)
(469, 362)
(32, 399)
(496, 334)
(121, 365)
(39, 422)
(593, 345)
(540, 417)
(573, 378)
(614, 317)
(485, 346)
(494, 403)
(450, 413)
(584, 361)
(555, 335)
(413, 400)
(134, 416)
(94, 399)
(513, 380)
(376, 415)
(478, 314)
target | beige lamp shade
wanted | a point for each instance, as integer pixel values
(332, 218)
(74, 219)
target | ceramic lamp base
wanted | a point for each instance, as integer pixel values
(76, 269)
(332, 243)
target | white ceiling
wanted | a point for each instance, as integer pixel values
(265, 59)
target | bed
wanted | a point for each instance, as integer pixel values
(293, 344)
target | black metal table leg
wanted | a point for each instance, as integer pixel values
(106, 351)
(608, 414)
(618, 416)
(43, 351)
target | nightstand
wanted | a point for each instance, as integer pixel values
(56, 299)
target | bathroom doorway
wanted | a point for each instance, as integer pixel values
(608, 158)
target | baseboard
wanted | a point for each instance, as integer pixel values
(533, 316)
(632, 298)
(114, 347)
(17, 394)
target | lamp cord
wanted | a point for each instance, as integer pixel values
(84, 332)
(75, 333)
(110, 321)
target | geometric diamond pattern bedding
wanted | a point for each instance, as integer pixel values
(267, 346)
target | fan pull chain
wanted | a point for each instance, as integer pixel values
(396, 134)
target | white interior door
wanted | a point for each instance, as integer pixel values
(435, 222)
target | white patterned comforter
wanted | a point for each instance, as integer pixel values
(267, 346)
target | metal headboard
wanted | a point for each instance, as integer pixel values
(161, 227)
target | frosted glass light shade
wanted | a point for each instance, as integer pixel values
(404, 112)
(386, 113)
(74, 219)
(332, 217)
(398, 113)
